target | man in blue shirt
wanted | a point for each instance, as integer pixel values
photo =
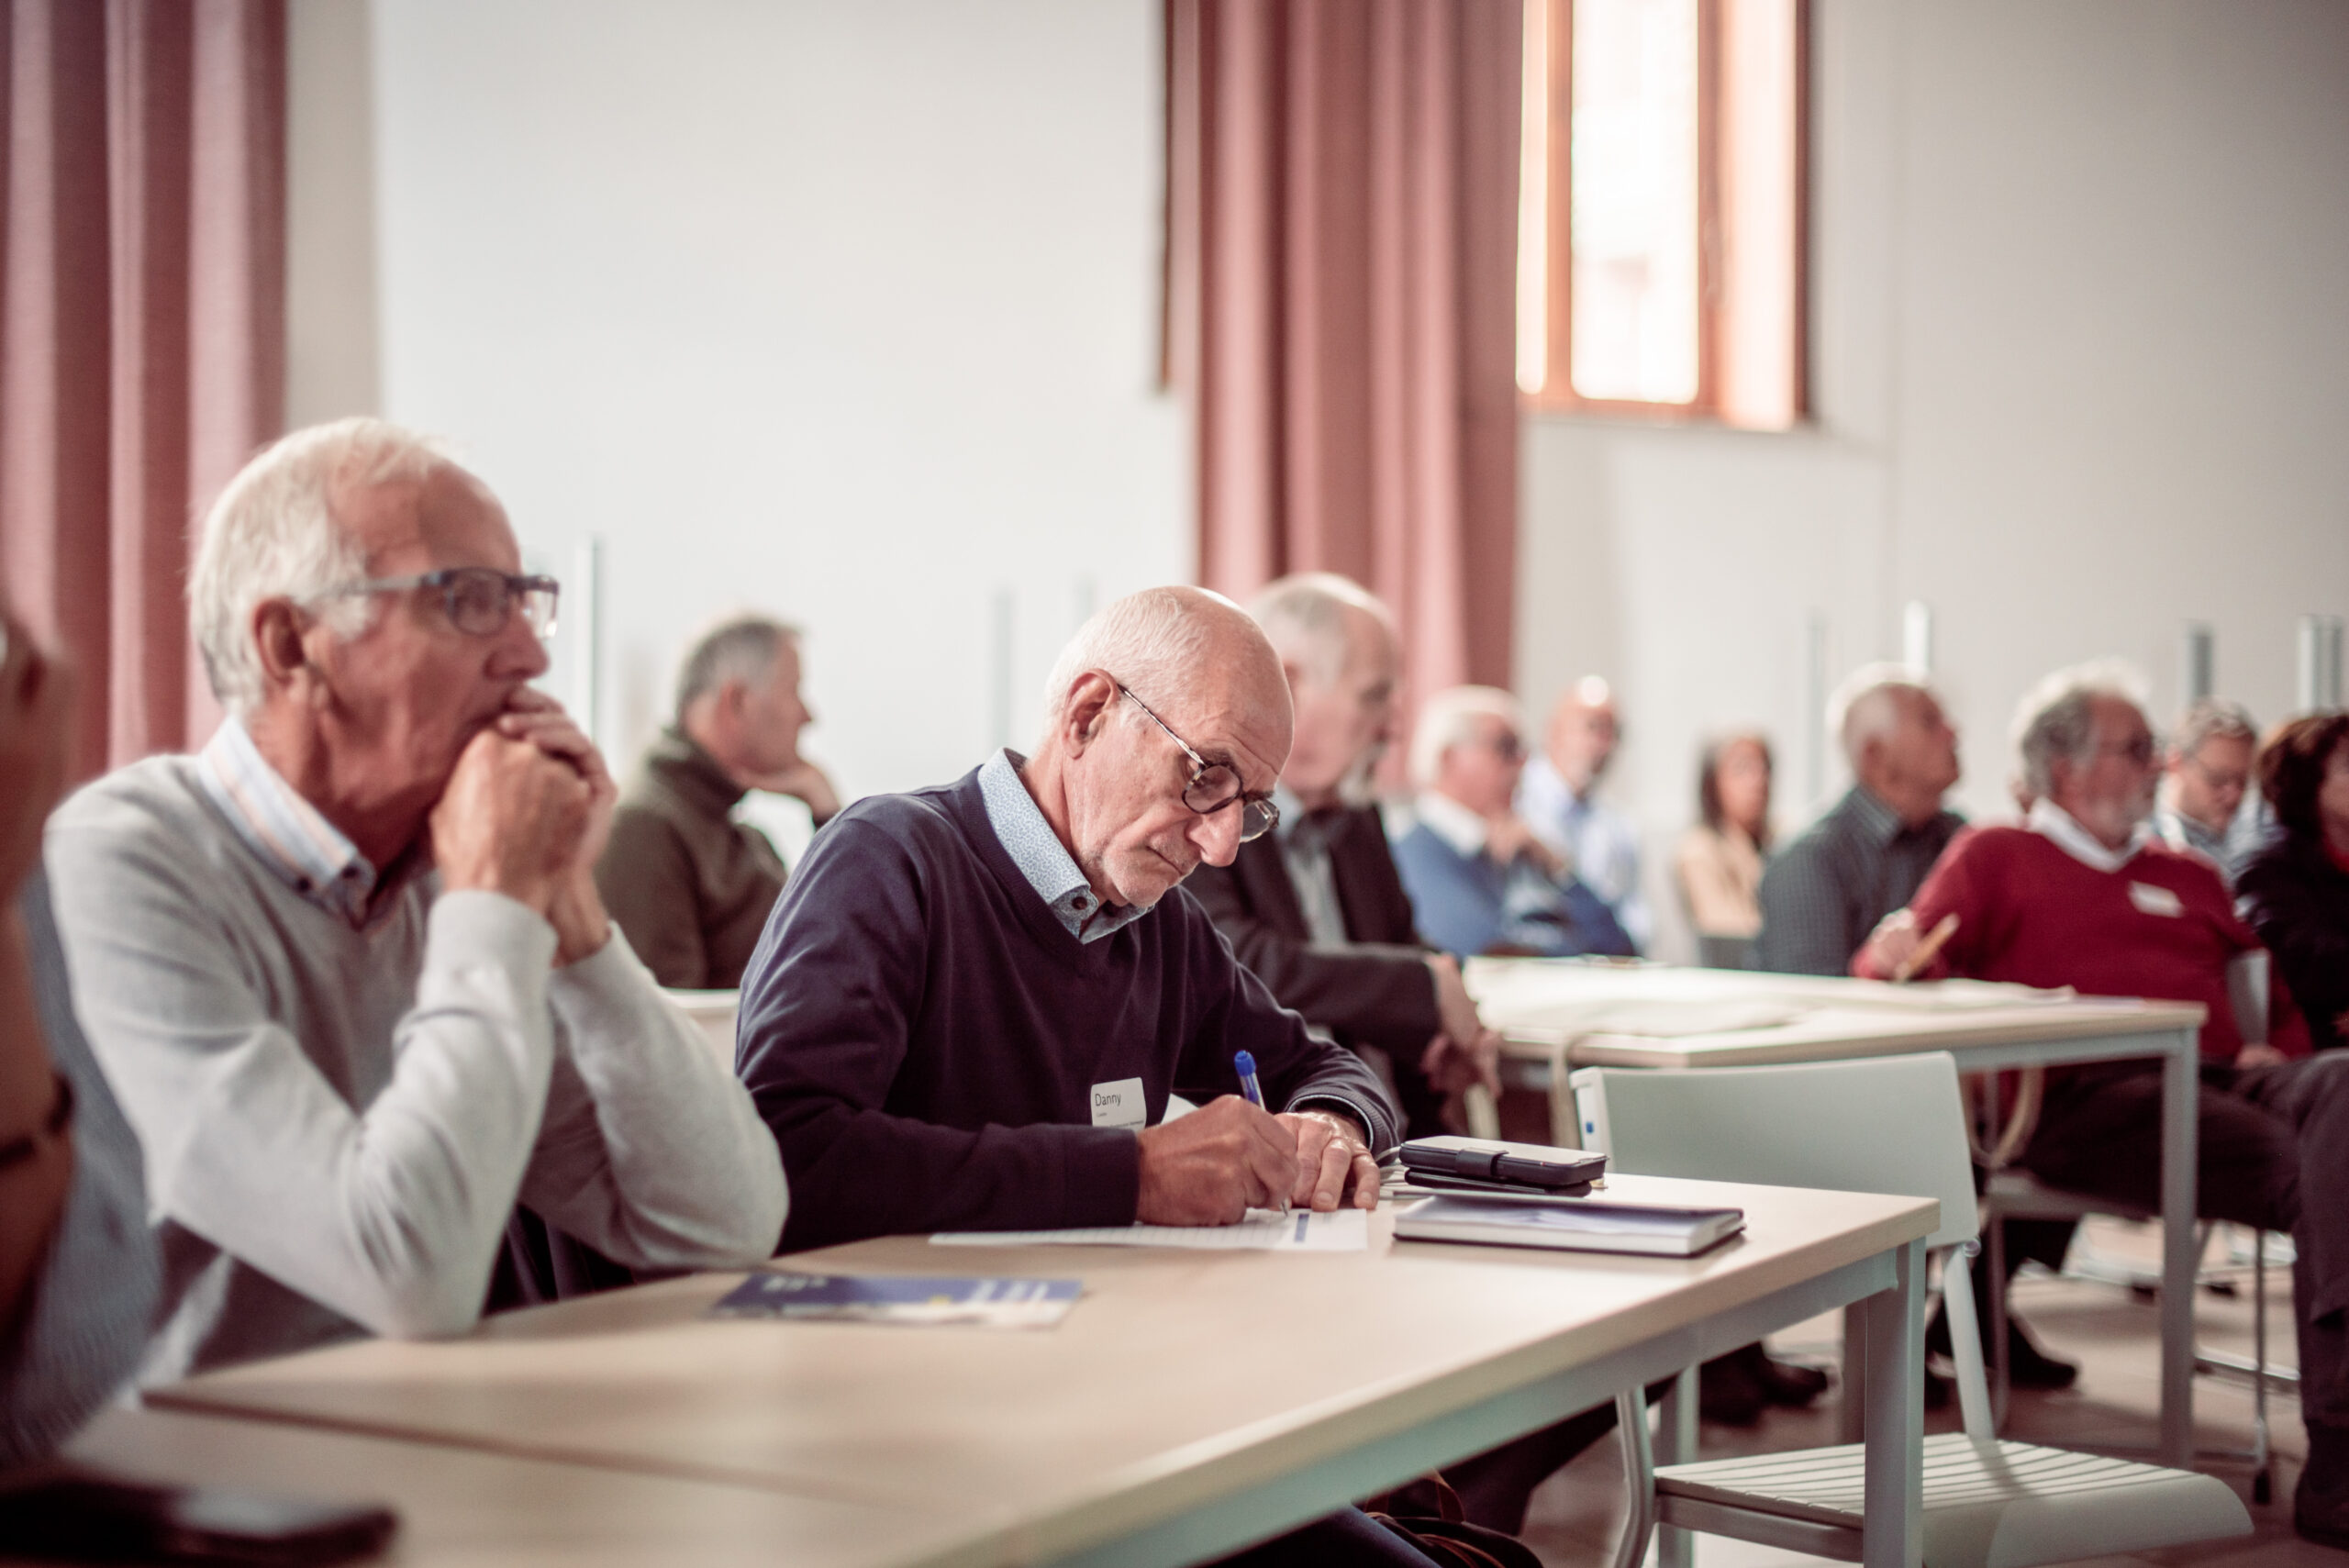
(1479, 878)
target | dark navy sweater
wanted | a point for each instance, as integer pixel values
(923, 1036)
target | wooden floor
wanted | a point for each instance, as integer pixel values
(2108, 1329)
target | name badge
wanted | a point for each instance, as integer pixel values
(1122, 1104)
(2155, 900)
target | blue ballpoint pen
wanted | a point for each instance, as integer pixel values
(1244, 1064)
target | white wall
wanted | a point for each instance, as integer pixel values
(843, 311)
(847, 310)
(2081, 375)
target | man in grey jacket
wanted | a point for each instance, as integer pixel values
(347, 968)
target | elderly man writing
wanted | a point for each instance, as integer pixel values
(347, 967)
(973, 1001)
(2084, 894)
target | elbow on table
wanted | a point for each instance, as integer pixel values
(425, 1309)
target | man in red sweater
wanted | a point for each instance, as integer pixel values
(2084, 894)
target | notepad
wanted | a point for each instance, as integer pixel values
(1302, 1230)
(902, 1298)
(1579, 1225)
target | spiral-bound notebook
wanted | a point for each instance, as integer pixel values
(1578, 1225)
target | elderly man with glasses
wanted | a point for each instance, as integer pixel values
(974, 1003)
(346, 967)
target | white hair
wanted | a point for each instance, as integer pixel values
(1152, 642)
(1305, 617)
(1449, 718)
(2057, 716)
(2212, 718)
(742, 647)
(1863, 708)
(271, 534)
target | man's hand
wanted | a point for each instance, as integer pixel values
(510, 820)
(1508, 836)
(36, 736)
(1333, 1162)
(1464, 1051)
(1213, 1165)
(2260, 1056)
(807, 784)
(1450, 1067)
(576, 908)
(1896, 937)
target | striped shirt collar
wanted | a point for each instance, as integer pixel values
(308, 852)
(1020, 825)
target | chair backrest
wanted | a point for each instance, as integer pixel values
(1891, 1124)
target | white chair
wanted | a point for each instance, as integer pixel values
(714, 1013)
(1889, 1125)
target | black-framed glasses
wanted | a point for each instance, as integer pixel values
(480, 600)
(1214, 785)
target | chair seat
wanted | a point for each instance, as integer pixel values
(2013, 1194)
(1988, 1505)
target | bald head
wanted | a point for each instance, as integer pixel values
(1901, 746)
(1336, 643)
(1165, 698)
(1584, 729)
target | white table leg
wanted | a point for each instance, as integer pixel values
(1894, 1536)
(2180, 1088)
(1676, 1443)
(1850, 1411)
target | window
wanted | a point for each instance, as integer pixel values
(1660, 268)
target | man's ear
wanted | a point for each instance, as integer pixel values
(1086, 713)
(278, 629)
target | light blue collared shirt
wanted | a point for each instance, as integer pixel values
(287, 831)
(1019, 826)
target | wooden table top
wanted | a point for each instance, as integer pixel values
(463, 1509)
(1178, 1372)
(1657, 1016)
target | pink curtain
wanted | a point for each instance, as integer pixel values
(1341, 227)
(141, 329)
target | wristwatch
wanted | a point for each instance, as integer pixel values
(18, 1150)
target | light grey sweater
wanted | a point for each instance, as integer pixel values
(337, 1121)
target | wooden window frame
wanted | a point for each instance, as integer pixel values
(1557, 394)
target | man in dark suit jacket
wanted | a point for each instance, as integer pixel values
(1315, 908)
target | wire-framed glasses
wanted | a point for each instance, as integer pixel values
(480, 600)
(1214, 785)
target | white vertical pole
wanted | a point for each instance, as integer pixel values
(2199, 662)
(583, 608)
(2319, 663)
(1916, 636)
(999, 655)
(1816, 680)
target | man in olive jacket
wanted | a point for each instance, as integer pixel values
(689, 885)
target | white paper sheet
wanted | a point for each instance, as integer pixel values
(1347, 1231)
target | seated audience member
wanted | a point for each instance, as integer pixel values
(1719, 862)
(689, 886)
(346, 967)
(2084, 894)
(2201, 799)
(1315, 908)
(1480, 879)
(973, 1001)
(1558, 798)
(2296, 890)
(1825, 892)
(78, 1272)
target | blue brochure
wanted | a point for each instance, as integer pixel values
(903, 1298)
